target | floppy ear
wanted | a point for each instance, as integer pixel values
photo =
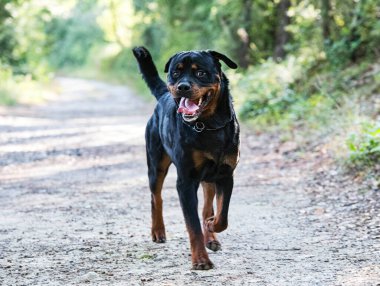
(224, 58)
(168, 64)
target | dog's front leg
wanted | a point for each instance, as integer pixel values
(223, 196)
(209, 190)
(187, 191)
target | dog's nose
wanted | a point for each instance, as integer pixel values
(184, 86)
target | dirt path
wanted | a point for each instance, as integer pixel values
(75, 207)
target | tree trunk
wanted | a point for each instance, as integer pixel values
(243, 35)
(282, 36)
(326, 8)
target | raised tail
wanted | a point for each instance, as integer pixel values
(149, 72)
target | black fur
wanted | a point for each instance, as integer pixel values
(150, 73)
(168, 135)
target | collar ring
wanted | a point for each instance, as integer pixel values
(199, 126)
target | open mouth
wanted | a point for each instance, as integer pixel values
(191, 109)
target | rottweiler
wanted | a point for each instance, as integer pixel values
(194, 126)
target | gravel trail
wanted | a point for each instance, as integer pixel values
(75, 205)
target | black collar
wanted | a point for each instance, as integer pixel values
(199, 126)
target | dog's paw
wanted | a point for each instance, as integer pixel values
(141, 53)
(215, 225)
(202, 264)
(214, 245)
(210, 240)
(159, 236)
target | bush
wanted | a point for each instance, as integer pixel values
(364, 146)
(268, 90)
(278, 94)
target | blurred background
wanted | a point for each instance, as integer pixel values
(308, 69)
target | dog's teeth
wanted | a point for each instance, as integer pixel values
(200, 102)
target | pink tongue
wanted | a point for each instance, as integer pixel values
(186, 106)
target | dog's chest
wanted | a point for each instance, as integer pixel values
(200, 158)
(213, 166)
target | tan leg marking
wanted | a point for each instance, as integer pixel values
(210, 239)
(158, 227)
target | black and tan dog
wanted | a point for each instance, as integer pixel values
(194, 127)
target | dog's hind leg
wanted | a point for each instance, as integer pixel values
(223, 196)
(210, 239)
(158, 165)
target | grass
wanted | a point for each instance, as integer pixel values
(6, 97)
(24, 90)
(147, 256)
(364, 147)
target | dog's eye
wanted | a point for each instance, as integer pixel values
(200, 73)
(175, 74)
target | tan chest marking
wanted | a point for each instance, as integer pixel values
(199, 157)
(232, 159)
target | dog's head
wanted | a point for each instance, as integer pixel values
(194, 80)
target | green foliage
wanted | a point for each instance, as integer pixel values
(306, 97)
(284, 95)
(304, 28)
(340, 52)
(7, 39)
(356, 32)
(72, 38)
(171, 26)
(22, 38)
(268, 90)
(122, 67)
(364, 146)
(16, 89)
(6, 97)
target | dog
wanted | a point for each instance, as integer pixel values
(194, 126)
